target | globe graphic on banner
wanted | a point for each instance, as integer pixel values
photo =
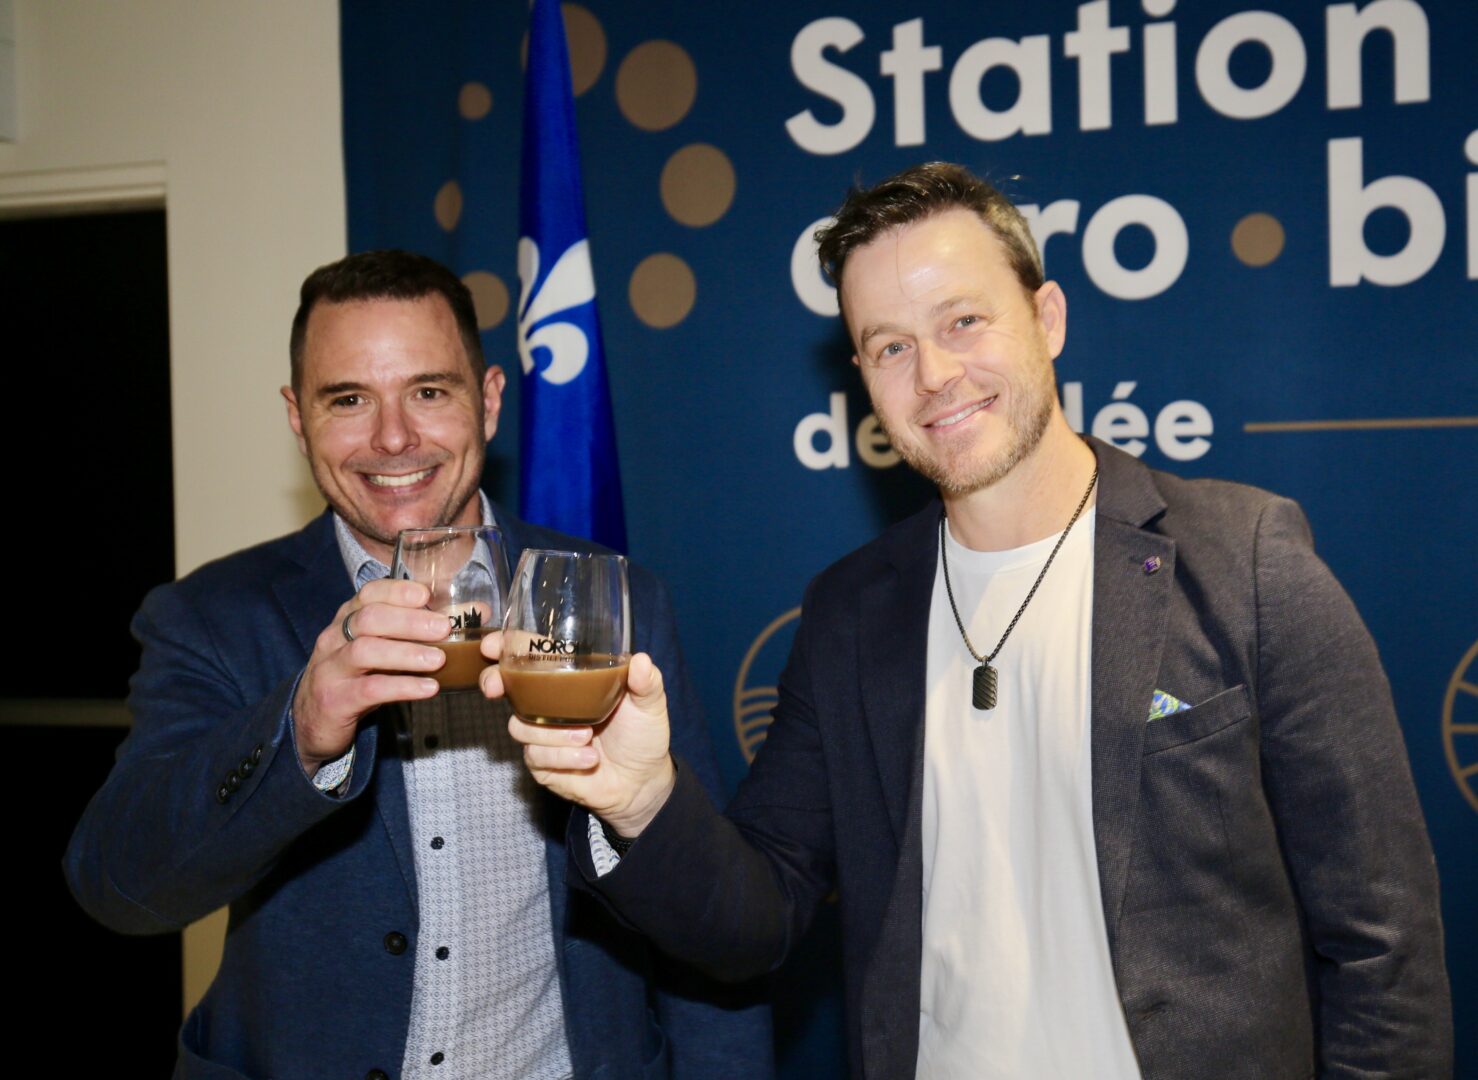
(1460, 725)
(755, 692)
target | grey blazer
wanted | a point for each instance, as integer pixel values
(1267, 883)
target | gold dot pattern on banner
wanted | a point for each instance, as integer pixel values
(1460, 725)
(656, 85)
(585, 39)
(1258, 239)
(662, 290)
(448, 205)
(698, 185)
(489, 297)
(475, 101)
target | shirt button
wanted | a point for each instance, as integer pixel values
(431, 742)
(437, 1058)
(233, 780)
(222, 793)
(256, 754)
(246, 766)
(377, 1074)
(395, 943)
(437, 843)
(443, 952)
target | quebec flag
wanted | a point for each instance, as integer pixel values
(568, 474)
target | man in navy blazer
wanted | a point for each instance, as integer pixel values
(1100, 762)
(264, 669)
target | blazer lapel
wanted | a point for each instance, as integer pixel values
(311, 599)
(893, 657)
(1133, 573)
(311, 596)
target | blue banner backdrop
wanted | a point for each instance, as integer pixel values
(1266, 225)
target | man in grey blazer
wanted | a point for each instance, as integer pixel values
(1101, 762)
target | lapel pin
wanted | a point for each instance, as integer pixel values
(1152, 564)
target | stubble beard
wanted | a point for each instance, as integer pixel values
(1026, 423)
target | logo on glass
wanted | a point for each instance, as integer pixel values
(540, 648)
(471, 619)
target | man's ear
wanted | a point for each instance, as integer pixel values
(295, 418)
(1052, 316)
(493, 383)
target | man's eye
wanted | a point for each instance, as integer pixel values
(429, 393)
(345, 401)
(967, 320)
(893, 349)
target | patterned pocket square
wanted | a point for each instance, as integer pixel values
(1163, 704)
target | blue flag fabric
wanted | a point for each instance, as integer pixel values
(569, 476)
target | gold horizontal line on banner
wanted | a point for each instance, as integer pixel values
(1389, 424)
(64, 712)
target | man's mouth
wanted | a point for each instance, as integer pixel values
(385, 480)
(963, 414)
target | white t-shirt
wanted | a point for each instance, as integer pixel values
(1016, 979)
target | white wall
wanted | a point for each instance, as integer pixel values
(233, 111)
(229, 113)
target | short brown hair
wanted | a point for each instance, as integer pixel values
(385, 275)
(918, 193)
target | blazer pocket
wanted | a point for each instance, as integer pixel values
(1216, 712)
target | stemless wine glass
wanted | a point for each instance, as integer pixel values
(566, 637)
(466, 569)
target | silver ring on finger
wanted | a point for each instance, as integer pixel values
(344, 626)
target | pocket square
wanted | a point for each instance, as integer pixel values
(1163, 704)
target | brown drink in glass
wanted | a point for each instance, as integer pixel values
(567, 637)
(467, 572)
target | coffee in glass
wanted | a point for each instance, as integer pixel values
(466, 570)
(567, 637)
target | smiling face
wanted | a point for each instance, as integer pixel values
(390, 418)
(956, 355)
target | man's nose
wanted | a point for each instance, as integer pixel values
(935, 367)
(394, 432)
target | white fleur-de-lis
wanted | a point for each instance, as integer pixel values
(570, 284)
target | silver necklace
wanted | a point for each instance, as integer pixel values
(983, 687)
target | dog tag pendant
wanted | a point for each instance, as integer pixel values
(984, 695)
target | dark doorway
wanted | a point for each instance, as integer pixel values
(92, 529)
(87, 311)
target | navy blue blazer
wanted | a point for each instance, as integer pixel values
(319, 957)
(1267, 884)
